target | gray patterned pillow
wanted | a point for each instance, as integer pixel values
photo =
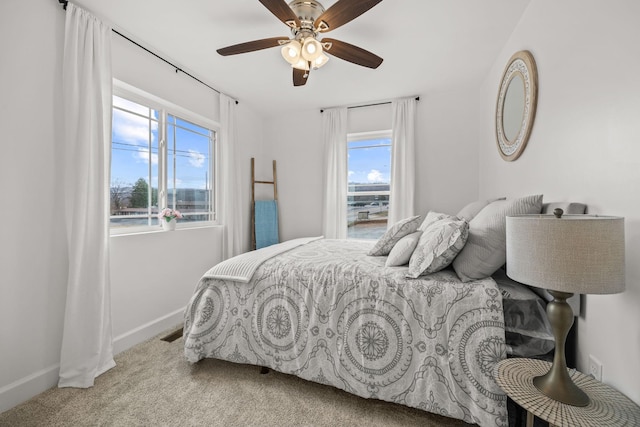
(400, 229)
(485, 251)
(438, 246)
(433, 217)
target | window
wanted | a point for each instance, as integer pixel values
(369, 166)
(161, 156)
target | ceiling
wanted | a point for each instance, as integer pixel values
(427, 46)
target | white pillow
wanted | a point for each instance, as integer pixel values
(401, 252)
(438, 246)
(394, 234)
(485, 251)
(432, 217)
(472, 209)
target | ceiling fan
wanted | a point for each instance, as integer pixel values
(307, 20)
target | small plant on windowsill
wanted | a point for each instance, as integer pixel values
(168, 218)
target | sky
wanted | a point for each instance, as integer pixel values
(132, 132)
(370, 161)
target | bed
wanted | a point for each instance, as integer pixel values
(327, 311)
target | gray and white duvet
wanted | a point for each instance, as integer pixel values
(327, 312)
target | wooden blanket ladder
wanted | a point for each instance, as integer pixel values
(253, 197)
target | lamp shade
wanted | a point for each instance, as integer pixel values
(311, 49)
(301, 65)
(291, 52)
(320, 61)
(575, 253)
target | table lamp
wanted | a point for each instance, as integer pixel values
(565, 254)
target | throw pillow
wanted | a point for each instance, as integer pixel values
(401, 252)
(438, 246)
(485, 250)
(431, 218)
(472, 209)
(394, 234)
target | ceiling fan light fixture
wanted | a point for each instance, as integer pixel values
(291, 52)
(320, 61)
(311, 49)
(301, 65)
(308, 20)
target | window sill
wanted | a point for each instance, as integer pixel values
(158, 229)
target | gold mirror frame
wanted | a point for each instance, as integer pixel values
(520, 65)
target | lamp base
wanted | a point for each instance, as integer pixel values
(557, 384)
(564, 390)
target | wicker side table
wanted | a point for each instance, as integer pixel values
(608, 407)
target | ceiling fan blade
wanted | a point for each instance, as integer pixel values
(282, 11)
(300, 77)
(342, 12)
(352, 53)
(251, 46)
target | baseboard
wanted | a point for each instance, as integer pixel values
(146, 331)
(25, 388)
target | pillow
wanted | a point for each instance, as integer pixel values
(431, 218)
(401, 252)
(438, 246)
(485, 250)
(472, 209)
(394, 234)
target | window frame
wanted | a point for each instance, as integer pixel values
(166, 108)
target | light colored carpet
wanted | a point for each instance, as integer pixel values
(153, 385)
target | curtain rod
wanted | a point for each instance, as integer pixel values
(370, 105)
(178, 69)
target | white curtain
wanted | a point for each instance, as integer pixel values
(230, 211)
(87, 345)
(334, 127)
(403, 174)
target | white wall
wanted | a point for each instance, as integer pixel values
(447, 151)
(447, 166)
(153, 274)
(294, 142)
(33, 261)
(585, 146)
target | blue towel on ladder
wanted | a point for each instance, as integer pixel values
(266, 223)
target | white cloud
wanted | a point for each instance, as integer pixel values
(132, 129)
(375, 176)
(351, 173)
(143, 155)
(196, 158)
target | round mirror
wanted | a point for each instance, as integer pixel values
(516, 107)
(513, 108)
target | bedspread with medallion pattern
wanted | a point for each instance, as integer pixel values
(328, 313)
